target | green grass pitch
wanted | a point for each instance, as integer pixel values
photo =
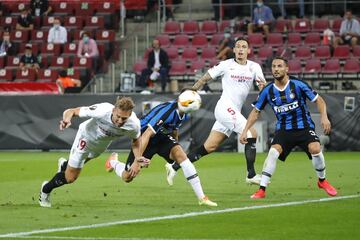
(98, 197)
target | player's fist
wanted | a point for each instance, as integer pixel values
(64, 124)
(143, 162)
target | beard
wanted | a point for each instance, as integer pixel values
(279, 77)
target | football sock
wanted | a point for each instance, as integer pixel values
(192, 177)
(319, 165)
(63, 166)
(250, 155)
(57, 181)
(193, 156)
(269, 167)
(119, 167)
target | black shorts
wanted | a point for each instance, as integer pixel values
(288, 139)
(159, 144)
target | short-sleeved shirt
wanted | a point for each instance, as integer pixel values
(99, 130)
(352, 25)
(29, 60)
(163, 118)
(25, 22)
(67, 82)
(237, 80)
(288, 104)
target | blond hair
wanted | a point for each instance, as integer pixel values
(124, 103)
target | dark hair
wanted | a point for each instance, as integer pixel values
(242, 39)
(280, 58)
(85, 33)
(63, 73)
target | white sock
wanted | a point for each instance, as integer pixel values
(318, 162)
(269, 167)
(119, 167)
(192, 177)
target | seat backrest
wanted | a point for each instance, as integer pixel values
(342, 52)
(322, 52)
(313, 65)
(302, 25)
(256, 39)
(274, 39)
(209, 27)
(294, 39)
(332, 66)
(190, 27)
(208, 53)
(181, 40)
(199, 40)
(312, 39)
(189, 53)
(47, 75)
(352, 66)
(164, 40)
(294, 66)
(320, 24)
(172, 27)
(303, 52)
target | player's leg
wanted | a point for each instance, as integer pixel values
(178, 154)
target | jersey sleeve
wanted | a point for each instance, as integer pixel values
(158, 120)
(96, 110)
(258, 74)
(217, 70)
(311, 94)
(262, 100)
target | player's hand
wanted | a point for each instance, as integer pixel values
(326, 125)
(64, 124)
(243, 138)
(134, 169)
(143, 162)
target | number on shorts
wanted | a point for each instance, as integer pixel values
(312, 133)
(82, 144)
(231, 111)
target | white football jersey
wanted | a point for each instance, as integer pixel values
(236, 79)
(99, 130)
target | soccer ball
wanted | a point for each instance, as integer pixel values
(189, 101)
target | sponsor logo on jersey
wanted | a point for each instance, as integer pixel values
(286, 107)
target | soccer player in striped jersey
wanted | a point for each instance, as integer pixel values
(237, 78)
(159, 135)
(287, 97)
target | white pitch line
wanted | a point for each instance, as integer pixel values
(105, 238)
(177, 216)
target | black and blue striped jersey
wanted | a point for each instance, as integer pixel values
(288, 104)
(165, 118)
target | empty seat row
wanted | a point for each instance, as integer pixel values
(43, 75)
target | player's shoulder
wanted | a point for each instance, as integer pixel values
(105, 106)
(133, 120)
(252, 63)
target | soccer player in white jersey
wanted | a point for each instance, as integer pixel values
(237, 76)
(107, 122)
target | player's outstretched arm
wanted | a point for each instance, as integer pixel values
(201, 82)
(254, 115)
(67, 116)
(325, 123)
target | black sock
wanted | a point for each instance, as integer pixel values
(321, 179)
(63, 166)
(193, 156)
(263, 188)
(57, 181)
(250, 155)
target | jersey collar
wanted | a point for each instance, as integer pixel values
(280, 90)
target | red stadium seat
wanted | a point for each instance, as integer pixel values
(208, 53)
(6, 75)
(84, 9)
(50, 49)
(195, 66)
(313, 66)
(15, 9)
(62, 8)
(352, 66)
(181, 40)
(105, 8)
(336, 25)
(139, 66)
(2, 62)
(294, 66)
(8, 21)
(12, 62)
(256, 39)
(164, 40)
(172, 27)
(94, 23)
(21, 36)
(294, 40)
(320, 24)
(105, 35)
(199, 41)
(189, 53)
(48, 22)
(332, 66)
(225, 24)
(146, 53)
(73, 22)
(322, 52)
(209, 27)
(47, 75)
(265, 52)
(213, 62)
(83, 63)
(342, 52)
(282, 26)
(35, 48)
(190, 27)
(302, 25)
(303, 53)
(274, 40)
(172, 53)
(356, 52)
(178, 68)
(70, 49)
(216, 39)
(28, 75)
(312, 39)
(39, 36)
(59, 62)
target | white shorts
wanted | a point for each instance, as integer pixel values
(228, 118)
(80, 150)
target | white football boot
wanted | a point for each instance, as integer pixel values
(44, 198)
(60, 163)
(254, 180)
(170, 174)
(207, 202)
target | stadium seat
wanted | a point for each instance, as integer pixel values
(356, 52)
(146, 53)
(48, 22)
(256, 39)
(294, 66)
(139, 66)
(62, 8)
(15, 9)
(94, 23)
(213, 62)
(84, 9)
(199, 41)
(208, 53)
(274, 40)
(2, 62)
(303, 53)
(47, 75)
(21, 36)
(50, 49)
(105, 35)
(12, 62)
(342, 52)
(6, 75)
(322, 52)
(59, 62)
(336, 25)
(73, 22)
(195, 66)
(28, 75)
(190, 54)
(172, 27)
(190, 27)
(294, 40)
(39, 36)
(105, 8)
(282, 26)
(332, 66)
(224, 24)
(313, 66)
(302, 25)
(320, 24)
(172, 52)
(82, 63)
(181, 40)
(209, 27)
(352, 66)
(312, 39)
(216, 39)
(178, 68)
(265, 52)
(8, 21)
(164, 40)
(70, 49)
(35, 49)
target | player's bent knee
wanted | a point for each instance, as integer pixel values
(314, 148)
